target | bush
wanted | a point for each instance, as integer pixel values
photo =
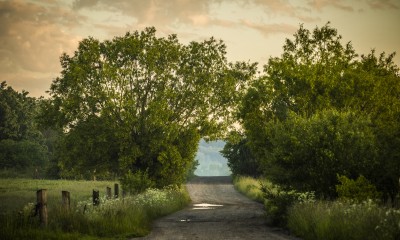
(137, 182)
(277, 202)
(358, 190)
(307, 153)
(22, 154)
(240, 159)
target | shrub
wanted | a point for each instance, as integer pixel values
(277, 202)
(137, 182)
(307, 153)
(240, 159)
(358, 190)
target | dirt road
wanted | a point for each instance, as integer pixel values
(217, 211)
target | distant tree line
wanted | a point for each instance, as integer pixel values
(320, 111)
(23, 147)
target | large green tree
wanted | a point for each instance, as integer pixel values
(141, 103)
(316, 82)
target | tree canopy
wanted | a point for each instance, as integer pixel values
(321, 109)
(141, 103)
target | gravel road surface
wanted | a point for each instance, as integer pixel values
(217, 211)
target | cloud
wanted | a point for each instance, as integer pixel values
(32, 38)
(269, 29)
(189, 12)
(79, 4)
(321, 4)
(156, 11)
(383, 4)
(281, 8)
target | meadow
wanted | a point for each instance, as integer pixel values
(119, 218)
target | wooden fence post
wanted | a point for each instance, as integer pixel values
(66, 201)
(41, 206)
(108, 193)
(96, 199)
(116, 190)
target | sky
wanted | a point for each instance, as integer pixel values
(34, 33)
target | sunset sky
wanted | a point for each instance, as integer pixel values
(33, 34)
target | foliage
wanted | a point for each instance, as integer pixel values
(150, 98)
(359, 190)
(22, 145)
(277, 202)
(307, 153)
(384, 107)
(137, 182)
(304, 79)
(22, 154)
(190, 173)
(319, 110)
(339, 220)
(240, 159)
(116, 218)
(87, 151)
(17, 112)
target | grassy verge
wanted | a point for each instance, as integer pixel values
(112, 219)
(340, 220)
(250, 187)
(322, 220)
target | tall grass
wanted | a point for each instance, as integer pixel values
(250, 187)
(344, 220)
(322, 220)
(119, 218)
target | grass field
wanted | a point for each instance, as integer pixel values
(16, 193)
(113, 219)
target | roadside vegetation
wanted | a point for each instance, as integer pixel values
(117, 218)
(339, 220)
(250, 187)
(311, 219)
